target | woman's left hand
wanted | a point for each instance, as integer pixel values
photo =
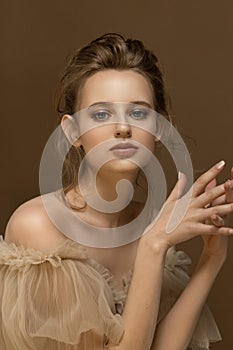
(216, 245)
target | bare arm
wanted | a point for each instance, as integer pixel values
(141, 309)
(186, 312)
(175, 331)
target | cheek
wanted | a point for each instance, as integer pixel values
(98, 135)
(92, 138)
(146, 139)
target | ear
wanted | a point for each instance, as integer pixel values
(71, 130)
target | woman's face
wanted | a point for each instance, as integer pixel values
(99, 94)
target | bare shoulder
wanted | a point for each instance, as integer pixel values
(31, 227)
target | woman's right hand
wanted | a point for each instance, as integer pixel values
(198, 211)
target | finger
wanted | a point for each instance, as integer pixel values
(211, 195)
(229, 191)
(220, 210)
(201, 183)
(227, 197)
(178, 189)
(217, 220)
(218, 201)
(211, 185)
(213, 230)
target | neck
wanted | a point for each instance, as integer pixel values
(106, 187)
(106, 183)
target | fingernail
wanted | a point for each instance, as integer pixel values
(220, 165)
(231, 231)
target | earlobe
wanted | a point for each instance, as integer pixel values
(70, 129)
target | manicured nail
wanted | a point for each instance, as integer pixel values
(231, 231)
(220, 165)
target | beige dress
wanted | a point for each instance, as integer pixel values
(63, 300)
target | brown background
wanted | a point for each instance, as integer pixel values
(193, 40)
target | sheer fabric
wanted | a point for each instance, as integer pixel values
(63, 300)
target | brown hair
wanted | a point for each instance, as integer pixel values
(110, 51)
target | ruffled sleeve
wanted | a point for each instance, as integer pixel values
(54, 300)
(175, 280)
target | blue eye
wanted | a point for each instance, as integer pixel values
(100, 116)
(139, 114)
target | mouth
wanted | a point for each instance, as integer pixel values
(123, 145)
(124, 149)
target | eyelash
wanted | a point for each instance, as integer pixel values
(95, 115)
(143, 115)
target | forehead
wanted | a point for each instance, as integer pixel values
(115, 86)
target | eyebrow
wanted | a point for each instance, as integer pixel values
(142, 103)
(100, 103)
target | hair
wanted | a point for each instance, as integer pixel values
(110, 51)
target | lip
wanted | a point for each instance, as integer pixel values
(124, 150)
(123, 146)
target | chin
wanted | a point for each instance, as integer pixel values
(121, 165)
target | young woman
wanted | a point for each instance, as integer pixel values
(57, 293)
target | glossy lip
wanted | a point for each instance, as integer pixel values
(124, 146)
(124, 150)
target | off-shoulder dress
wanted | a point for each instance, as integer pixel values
(64, 300)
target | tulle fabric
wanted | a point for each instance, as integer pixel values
(62, 300)
(54, 301)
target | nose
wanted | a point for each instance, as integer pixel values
(123, 131)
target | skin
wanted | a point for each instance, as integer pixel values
(206, 215)
(115, 86)
(181, 316)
